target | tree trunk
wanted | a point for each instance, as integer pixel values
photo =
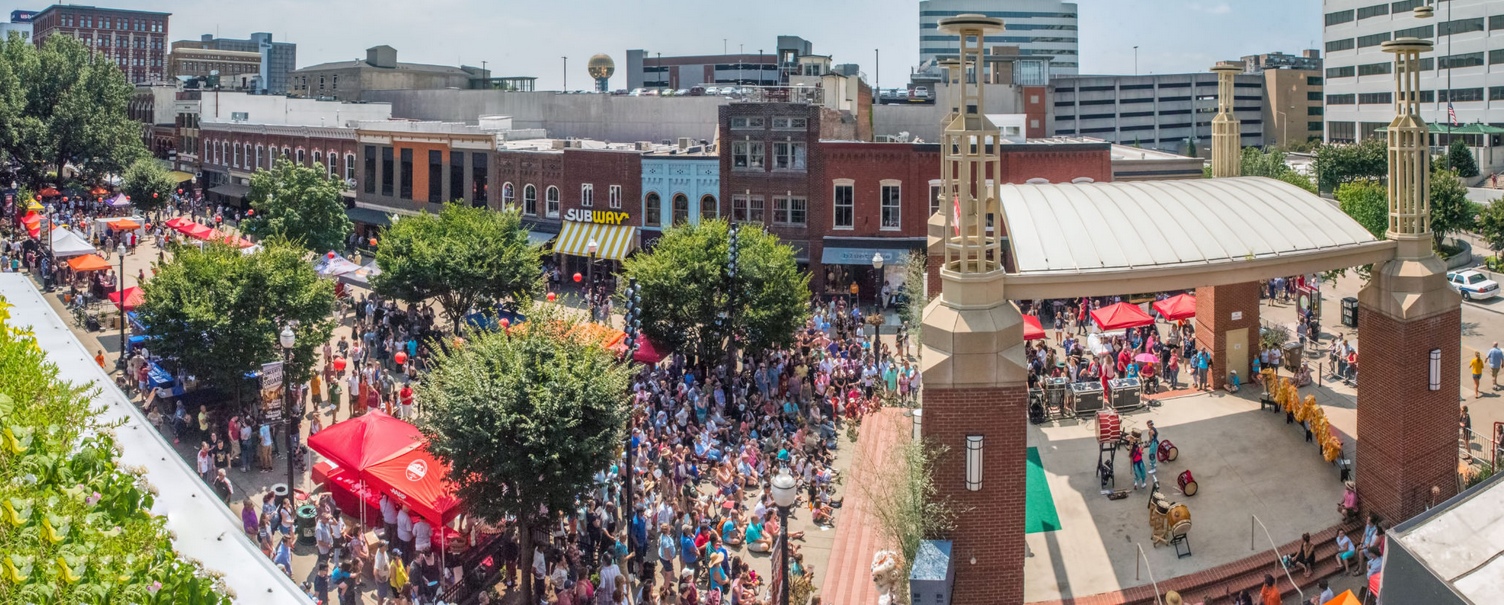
(525, 558)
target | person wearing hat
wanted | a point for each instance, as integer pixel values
(1173, 598)
(1349, 505)
(687, 591)
(719, 579)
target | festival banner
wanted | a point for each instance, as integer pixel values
(271, 391)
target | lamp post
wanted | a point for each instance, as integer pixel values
(288, 339)
(631, 325)
(732, 250)
(120, 290)
(590, 249)
(877, 265)
(784, 489)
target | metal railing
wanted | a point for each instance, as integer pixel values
(1252, 519)
(1145, 559)
(1489, 456)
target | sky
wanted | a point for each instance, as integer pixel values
(530, 38)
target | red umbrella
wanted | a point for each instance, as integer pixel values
(359, 442)
(49, 192)
(133, 298)
(1032, 330)
(1180, 306)
(420, 481)
(1121, 315)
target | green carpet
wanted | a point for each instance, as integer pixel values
(1039, 506)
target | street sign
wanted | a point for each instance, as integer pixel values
(271, 391)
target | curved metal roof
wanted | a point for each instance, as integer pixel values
(1116, 227)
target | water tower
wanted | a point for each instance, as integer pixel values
(601, 67)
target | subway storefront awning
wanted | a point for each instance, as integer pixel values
(614, 241)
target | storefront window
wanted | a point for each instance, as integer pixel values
(681, 209)
(708, 208)
(652, 210)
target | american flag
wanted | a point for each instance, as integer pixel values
(1452, 114)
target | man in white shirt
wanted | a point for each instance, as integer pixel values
(422, 536)
(608, 573)
(405, 534)
(388, 518)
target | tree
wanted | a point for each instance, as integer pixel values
(683, 284)
(62, 105)
(525, 418)
(1491, 224)
(1461, 159)
(218, 312)
(1451, 211)
(300, 203)
(148, 185)
(1258, 162)
(914, 292)
(906, 504)
(1190, 149)
(1368, 203)
(461, 256)
(1339, 164)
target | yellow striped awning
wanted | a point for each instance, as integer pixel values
(613, 241)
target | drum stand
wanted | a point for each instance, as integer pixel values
(1106, 461)
(1181, 541)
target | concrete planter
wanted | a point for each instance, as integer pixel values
(1461, 259)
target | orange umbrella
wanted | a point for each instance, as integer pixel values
(49, 192)
(124, 224)
(133, 298)
(99, 191)
(88, 262)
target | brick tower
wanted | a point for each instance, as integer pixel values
(975, 380)
(1227, 317)
(1409, 321)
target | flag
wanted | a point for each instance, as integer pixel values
(1452, 114)
(956, 222)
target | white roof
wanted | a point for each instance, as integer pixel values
(203, 528)
(67, 243)
(1462, 544)
(1080, 228)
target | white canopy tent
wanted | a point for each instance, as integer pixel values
(66, 244)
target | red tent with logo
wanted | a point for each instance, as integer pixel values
(133, 298)
(176, 223)
(360, 442)
(1121, 315)
(1179, 306)
(417, 479)
(1032, 329)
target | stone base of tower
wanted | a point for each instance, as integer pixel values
(1227, 324)
(991, 528)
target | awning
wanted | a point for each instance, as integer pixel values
(180, 176)
(614, 241)
(538, 238)
(892, 257)
(369, 216)
(231, 190)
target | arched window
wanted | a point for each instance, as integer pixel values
(286, 152)
(318, 157)
(300, 156)
(530, 200)
(259, 150)
(332, 159)
(681, 208)
(507, 196)
(552, 201)
(349, 167)
(652, 210)
(237, 156)
(708, 207)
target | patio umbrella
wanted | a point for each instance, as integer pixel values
(133, 298)
(1146, 358)
(33, 206)
(1121, 315)
(1032, 329)
(1180, 306)
(124, 224)
(88, 262)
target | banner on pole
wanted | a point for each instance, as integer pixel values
(271, 391)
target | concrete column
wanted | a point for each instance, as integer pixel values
(1227, 325)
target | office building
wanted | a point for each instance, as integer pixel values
(1039, 28)
(1309, 59)
(134, 40)
(275, 60)
(1465, 69)
(1161, 111)
(1293, 106)
(20, 22)
(227, 65)
(346, 80)
(646, 69)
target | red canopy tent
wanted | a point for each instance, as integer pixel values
(1180, 306)
(417, 479)
(133, 298)
(176, 223)
(1032, 329)
(357, 443)
(646, 352)
(1121, 315)
(198, 231)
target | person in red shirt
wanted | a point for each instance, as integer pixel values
(1269, 594)
(406, 395)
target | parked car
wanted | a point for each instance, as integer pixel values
(697, 91)
(651, 92)
(619, 92)
(1473, 285)
(902, 94)
(682, 92)
(636, 92)
(711, 91)
(921, 92)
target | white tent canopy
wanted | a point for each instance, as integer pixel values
(66, 244)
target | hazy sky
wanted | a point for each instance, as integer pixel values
(528, 38)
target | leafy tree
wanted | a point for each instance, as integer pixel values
(1339, 164)
(1259, 162)
(61, 106)
(1491, 224)
(525, 418)
(683, 284)
(300, 203)
(1368, 203)
(1461, 159)
(1451, 211)
(914, 291)
(1189, 150)
(1299, 180)
(218, 312)
(460, 257)
(148, 185)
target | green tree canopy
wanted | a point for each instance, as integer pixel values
(1271, 163)
(525, 418)
(460, 257)
(301, 204)
(1461, 159)
(1451, 211)
(59, 105)
(218, 312)
(148, 185)
(1491, 224)
(1339, 164)
(684, 286)
(1368, 203)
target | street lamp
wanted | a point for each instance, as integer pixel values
(877, 261)
(590, 249)
(288, 339)
(120, 291)
(731, 255)
(784, 490)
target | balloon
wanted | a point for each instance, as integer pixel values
(339, 364)
(373, 241)
(577, 277)
(330, 254)
(401, 357)
(251, 212)
(551, 297)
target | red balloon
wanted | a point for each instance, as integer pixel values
(577, 277)
(373, 241)
(506, 322)
(330, 254)
(401, 358)
(551, 297)
(251, 212)
(339, 364)
(148, 226)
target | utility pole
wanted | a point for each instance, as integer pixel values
(1135, 59)
(877, 79)
(566, 74)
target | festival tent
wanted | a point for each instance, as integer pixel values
(609, 337)
(176, 223)
(133, 298)
(1032, 330)
(420, 481)
(197, 231)
(124, 224)
(88, 262)
(66, 243)
(336, 266)
(49, 192)
(118, 201)
(647, 352)
(359, 442)
(361, 276)
(1180, 306)
(34, 206)
(238, 242)
(1121, 315)
(1346, 598)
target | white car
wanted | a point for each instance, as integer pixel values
(1473, 285)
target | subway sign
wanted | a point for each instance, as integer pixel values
(604, 217)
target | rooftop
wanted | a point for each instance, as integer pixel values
(99, 8)
(1460, 542)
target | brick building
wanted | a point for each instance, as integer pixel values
(134, 40)
(232, 152)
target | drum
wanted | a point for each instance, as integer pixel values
(1167, 451)
(1187, 483)
(1179, 514)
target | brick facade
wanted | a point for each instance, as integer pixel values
(540, 170)
(1408, 433)
(1215, 307)
(603, 169)
(231, 153)
(992, 528)
(136, 41)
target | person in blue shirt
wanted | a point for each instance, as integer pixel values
(283, 556)
(689, 554)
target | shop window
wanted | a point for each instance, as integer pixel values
(652, 210)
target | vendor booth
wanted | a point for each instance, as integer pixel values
(1032, 329)
(1120, 316)
(1180, 306)
(67, 244)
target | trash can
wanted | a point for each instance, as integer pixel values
(1350, 312)
(305, 523)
